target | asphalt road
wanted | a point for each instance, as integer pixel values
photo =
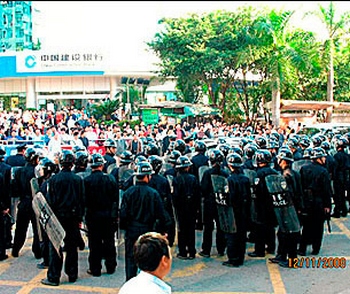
(202, 275)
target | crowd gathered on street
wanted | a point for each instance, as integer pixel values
(266, 185)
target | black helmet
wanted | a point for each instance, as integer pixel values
(243, 142)
(31, 154)
(45, 168)
(304, 142)
(249, 150)
(200, 146)
(285, 154)
(110, 143)
(326, 145)
(262, 156)
(272, 144)
(316, 141)
(216, 156)
(143, 168)
(140, 158)
(180, 145)
(151, 149)
(235, 149)
(224, 148)
(293, 143)
(171, 147)
(67, 157)
(275, 136)
(82, 158)
(182, 162)
(307, 152)
(234, 160)
(77, 148)
(260, 141)
(97, 160)
(126, 157)
(174, 155)
(156, 161)
(318, 152)
(341, 143)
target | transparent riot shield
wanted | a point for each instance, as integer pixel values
(225, 210)
(299, 163)
(201, 171)
(14, 197)
(165, 166)
(286, 215)
(170, 179)
(48, 221)
(124, 173)
(254, 180)
(111, 167)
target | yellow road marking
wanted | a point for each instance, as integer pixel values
(186, 272)
(276, 279)
(342, 227)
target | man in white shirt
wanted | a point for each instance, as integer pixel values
(153, 257)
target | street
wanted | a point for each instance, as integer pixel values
(202, 275)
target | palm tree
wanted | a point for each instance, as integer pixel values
(105, 109)
(335, 30)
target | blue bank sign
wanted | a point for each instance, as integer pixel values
(59, 61)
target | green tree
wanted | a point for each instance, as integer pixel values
(103, 110)
(336, 29)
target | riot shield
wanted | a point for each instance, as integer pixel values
(48, 221)
(286, 215)
(124, 173)
(14, 197)
(170, 179)
(165, 166)
(111, 167)
(84, 174)
(201, 171)
(299, 163)
(253, 179)
(34, 185)
(225, 211)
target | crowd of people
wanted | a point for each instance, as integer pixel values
(275, 189)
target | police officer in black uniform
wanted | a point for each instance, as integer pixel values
(317, 189)
(239, 199)
(43, 172)
(102, 201)
(142, 210)
(186, 203)
(111, 149)
(199, 160)
(341, 177)
(210, 213)
(18, 158)
(288, 239)
(5, 203)
(66, 197)
(266, 219)
(161, 184)
(25, 213)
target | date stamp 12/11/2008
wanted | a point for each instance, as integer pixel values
(318, 262)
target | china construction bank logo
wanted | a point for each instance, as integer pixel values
(30, 61)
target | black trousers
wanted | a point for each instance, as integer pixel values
(71, 227)
(287, 244)
(211, 216)
(101, 239)
(131, 235)
(236, 246)
(312, 232)
(265, 235)
(186, 237)
(25, 215)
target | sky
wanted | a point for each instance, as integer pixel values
(121, 29)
